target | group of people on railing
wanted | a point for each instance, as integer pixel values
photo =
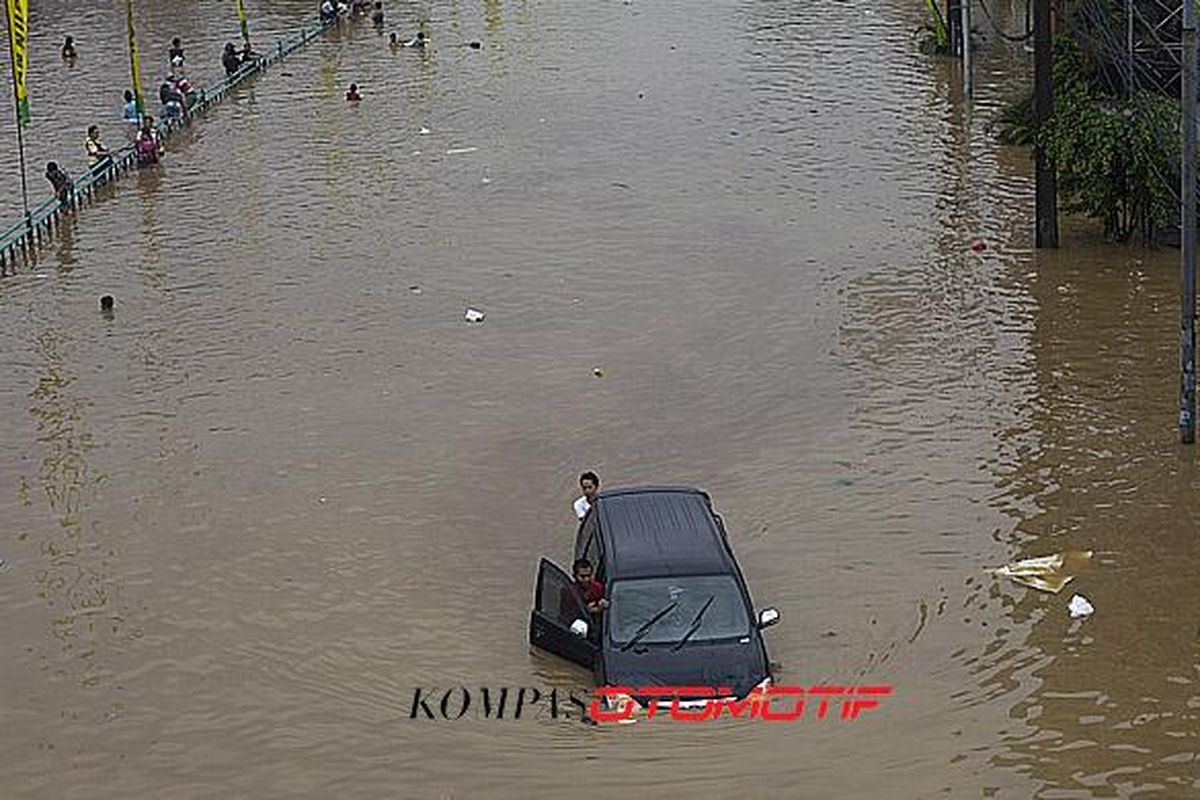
(175, 93)
(332, 10)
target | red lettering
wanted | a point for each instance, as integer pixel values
(620, 695)
(852, 707)
(710, 710)
(766, 712)
(825, 692)
(752, 701)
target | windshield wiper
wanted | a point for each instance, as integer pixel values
(648, 624)
(695, 626)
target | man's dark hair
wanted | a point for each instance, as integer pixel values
(580, 562)
(51, 166)
(590, 476)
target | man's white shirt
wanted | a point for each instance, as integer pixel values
(581, 507)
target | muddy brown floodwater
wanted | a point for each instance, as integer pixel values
(242, 520)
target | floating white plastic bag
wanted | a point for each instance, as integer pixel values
(1080, 607)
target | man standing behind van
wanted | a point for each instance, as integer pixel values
(589, 482)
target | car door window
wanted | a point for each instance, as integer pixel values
(589, 534)
(557, 597)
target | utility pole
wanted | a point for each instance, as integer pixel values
(953, 18)
(1187, 333)
(1046, 192)
(968, 82)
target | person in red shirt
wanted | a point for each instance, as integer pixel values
(590, 589)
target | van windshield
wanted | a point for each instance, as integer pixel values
(707, 606)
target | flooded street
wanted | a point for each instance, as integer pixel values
(286, 484)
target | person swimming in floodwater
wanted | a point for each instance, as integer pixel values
(418, 41)
(394, 42)
(352, 95)
(68, 50)
(377, 15)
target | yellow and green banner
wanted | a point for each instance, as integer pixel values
(18, 39)
(245, 26)
(135, 70)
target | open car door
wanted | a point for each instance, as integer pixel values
(556, 607)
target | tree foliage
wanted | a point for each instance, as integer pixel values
(1116, 157)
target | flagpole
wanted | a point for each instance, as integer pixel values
(135, 71)
(12, 60)
(242, 23)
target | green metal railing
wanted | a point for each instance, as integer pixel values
(31, 232)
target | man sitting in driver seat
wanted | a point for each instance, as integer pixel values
(585, 592)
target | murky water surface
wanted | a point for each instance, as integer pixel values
(245, 518)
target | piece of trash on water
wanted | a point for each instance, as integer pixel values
(599, 373)
(415, 289)
(474, 315)
(424, 131)
(978, 245)
(1045, 573)
(454, 151)
(1080, 607)
(486, 180)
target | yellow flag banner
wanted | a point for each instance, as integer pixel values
(135, 70)
(245, 26)
(18, 39)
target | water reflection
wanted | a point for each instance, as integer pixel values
(76, 579)
(1117, 705)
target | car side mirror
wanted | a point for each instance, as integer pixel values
(579, 628)
(767, 617)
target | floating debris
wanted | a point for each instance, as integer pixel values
(1045, 573)
(1080, 607)
(474, 315)
(599, 373)
(424, 131)
(454, 151)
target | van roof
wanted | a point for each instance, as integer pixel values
(657, 531)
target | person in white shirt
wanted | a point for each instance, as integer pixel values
(589, 482)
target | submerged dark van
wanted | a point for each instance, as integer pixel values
(679, 611)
